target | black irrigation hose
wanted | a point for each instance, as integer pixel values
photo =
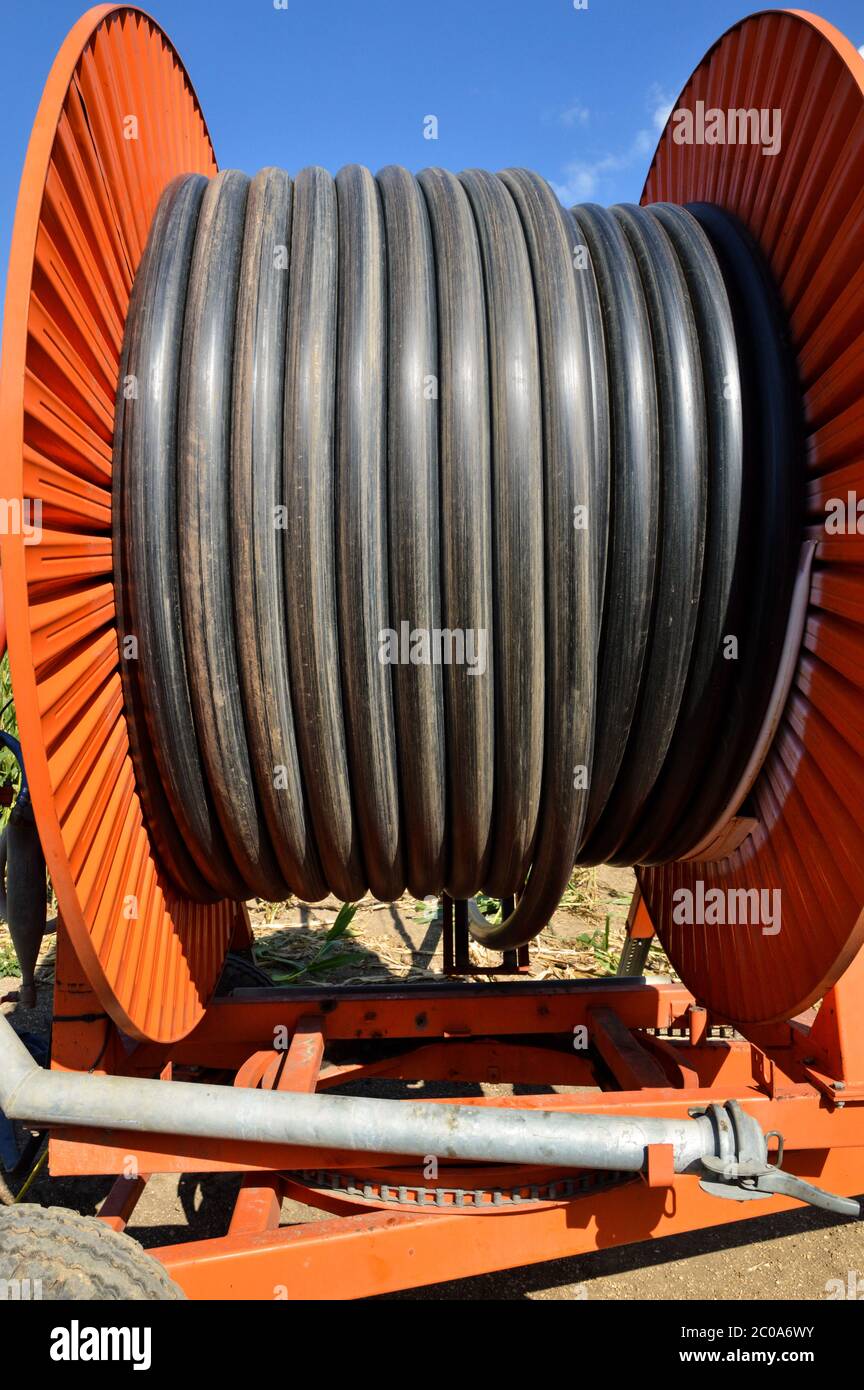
(772, 518)
(443, 404)
(701, 713)
(681, 508)
(634, 498)
(153, 664)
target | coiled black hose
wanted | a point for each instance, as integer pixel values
(368, 423)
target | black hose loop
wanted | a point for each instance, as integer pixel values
(438, 512)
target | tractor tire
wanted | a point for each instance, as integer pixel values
(70, 1257)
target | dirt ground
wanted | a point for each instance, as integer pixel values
(790, 1255)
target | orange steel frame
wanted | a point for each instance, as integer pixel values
(653, 1051)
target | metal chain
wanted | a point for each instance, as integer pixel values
(409, 1194)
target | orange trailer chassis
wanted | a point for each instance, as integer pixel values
(390, 1225)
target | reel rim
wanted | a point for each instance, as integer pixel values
(809, 851)
(61, 633)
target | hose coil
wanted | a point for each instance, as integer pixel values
(454, 532)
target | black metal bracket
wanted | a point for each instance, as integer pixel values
(456, 938)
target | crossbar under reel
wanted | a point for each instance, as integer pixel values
(389, 1225)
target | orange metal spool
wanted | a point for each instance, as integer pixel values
(805, 206)
(87, 197)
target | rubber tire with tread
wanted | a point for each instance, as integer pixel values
(78, 1257)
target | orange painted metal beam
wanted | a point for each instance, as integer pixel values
(121, 1201)
(231, 1029)
(623, 1054)
(259, 1201)
(359, 1256)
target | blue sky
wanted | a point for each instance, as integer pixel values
(577, 95)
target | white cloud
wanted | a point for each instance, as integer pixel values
(581, 185)
(660, 104)
(861, 50)
(584, 179)
(577, 114)
(573, 115)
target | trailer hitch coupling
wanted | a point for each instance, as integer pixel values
(740, 1169)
